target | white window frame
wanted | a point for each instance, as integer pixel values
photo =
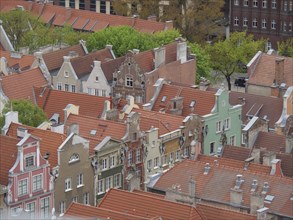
(150, 164)
(80, 180)
(73, 88)
(164, 160)
(45, 207)
(245, 22)
(128, 81)
(89, 91)
(232, 140)
(59, 86)
(236, 2)
(62, 207)
(264, 3)
(31, 208)
(285, 26)
(254, 23)
(29, 156)
(23, 187)
(243, 137)
(96, 92)
(263, 23)
(101, 186)
(104, 163)
(112, 161)
(227, 124)
(97, 79)
(156, 163)
(108, 183)
(236, 21)
(66, 74)
(177, 155)
(245, 3)
(104, 92)
(273, 25)
(218, 126)
(86, 198)
(68, 185)
(138, 155)
(186, 151)
(129, 158)
(290, 26)
(172, 157)
(37, 182)
(274, 4)
(66, 87)
(74, 199)
(255, 3)
(117, 180)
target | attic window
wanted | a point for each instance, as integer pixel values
(164, 98)
(74, 158)
(129, 81)
(97, 79)
(269, 199)
(192, 103)
(66, 74)
(93, 132)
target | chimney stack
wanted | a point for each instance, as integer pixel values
(192, 187)
(276, 168)
(160, 56)
(279, 70)
(256, 203)
(262, 213)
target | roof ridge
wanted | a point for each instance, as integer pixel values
(97, 119)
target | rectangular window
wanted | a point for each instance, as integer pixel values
(156, 162)
(254, 23)
(245, 2)
(81, 5)
(171, 157)
(285, 26)
(102, 6)
(80, 180)
(186, 151)
(233, 140)
(112, 161)
(66, 74)
(117, 180)
(45, 206)
(212, 148)
(164, 160)
(218, 126)
(255, 3)
(264, 3)
(104, 163)
(227, 124)
(109, 183)
(72, 3)
(62, 207)
(101, 186)
(245, 22)
(138, 155)
(29, 161)
(96, 92)
(285, 5)
(67, 184)
(236, 2)
(149, 165)
(93, 5)
(74, 199)
(59, 86)
(129, 158)
(274, 4)
(291, 5)
(177, 155)
(129, 81)
(86, 198)
(243, 139)
(269, 45)
(22, 187)
(66, 87)
(31, 209)
(37, 182)
(264, 24)
(273, 24)
(72, 88)
(104, 92)
(236, 21)
(89, 91)
(290, 26)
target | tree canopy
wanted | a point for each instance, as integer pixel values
(285, 48)
(232, 55)
(28, 113)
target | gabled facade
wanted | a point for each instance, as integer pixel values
(74, 174)
(28, 189)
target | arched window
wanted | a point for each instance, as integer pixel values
(74, 158)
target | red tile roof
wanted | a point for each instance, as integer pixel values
(205, 100)
(286, 163)
(54, 60)
(25, 82)
(216, 185)
(236, 153)
(264, 73)
(147, 206)
(251, 100)
(54, 101)
(271, 142)
(8, 155)
(25, 62)
(111, 66)
(76, 210)
(49, 141)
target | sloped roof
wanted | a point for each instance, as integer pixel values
(286, 163)
(264, 73)
(147, 206)
(216, 185)
(271, 107)
(8, 155)
(76, 210)
(271, 142)
(236, 153)
(83, 65)
(111, 66)
(49, 140)
(54, 60)
(205, 100)
(145, 60)
(24, 62)
(20, 86)
(54, 101)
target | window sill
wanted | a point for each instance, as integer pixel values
(157, 167)
(100, 193)
(79, 186)
(67, 190)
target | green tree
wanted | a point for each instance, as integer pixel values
(285, 48)
(232, 55)
(28, 113)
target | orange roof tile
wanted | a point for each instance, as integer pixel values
(236, 153)
(273, 114)
(47, 16)
(111, 66)
(147, 206)
(90, 25)
(286, 163)
(205, 100)
(54, 101)
(24, 62)
(49, 141)
(264, 73)
(54, 60)
(80, 23)
(216, 185)
(271, 142)
(8, 155)
(25, 82)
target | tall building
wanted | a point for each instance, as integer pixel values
(268, 19)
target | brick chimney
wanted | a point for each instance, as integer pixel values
(182, 51)
(176, 105)
(236, 194)
(276, 168)
(279, 70)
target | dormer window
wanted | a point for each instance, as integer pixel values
(66, 74)
(97, 79)
(29, 161)
(129, 81)
(74, 158)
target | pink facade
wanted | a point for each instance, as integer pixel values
(29, 191)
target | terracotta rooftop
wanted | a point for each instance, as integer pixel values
(264, 73)
(271, 142)
(25, 82)
(54, 101)
(215, 186)
(83, 65)
(54, 60)
(76, 210)
(147, 206)
(111, 66)
(286, 164)
(18, 61)
(236, 153)
(49, 141)
(8, 155)
(263, 104)
(59, 15)
(205, 100)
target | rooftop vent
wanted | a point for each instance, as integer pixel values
(93, 132)
(253, 186)
(265, 188)
(269, 199)
(206, 168)
(239, 181)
